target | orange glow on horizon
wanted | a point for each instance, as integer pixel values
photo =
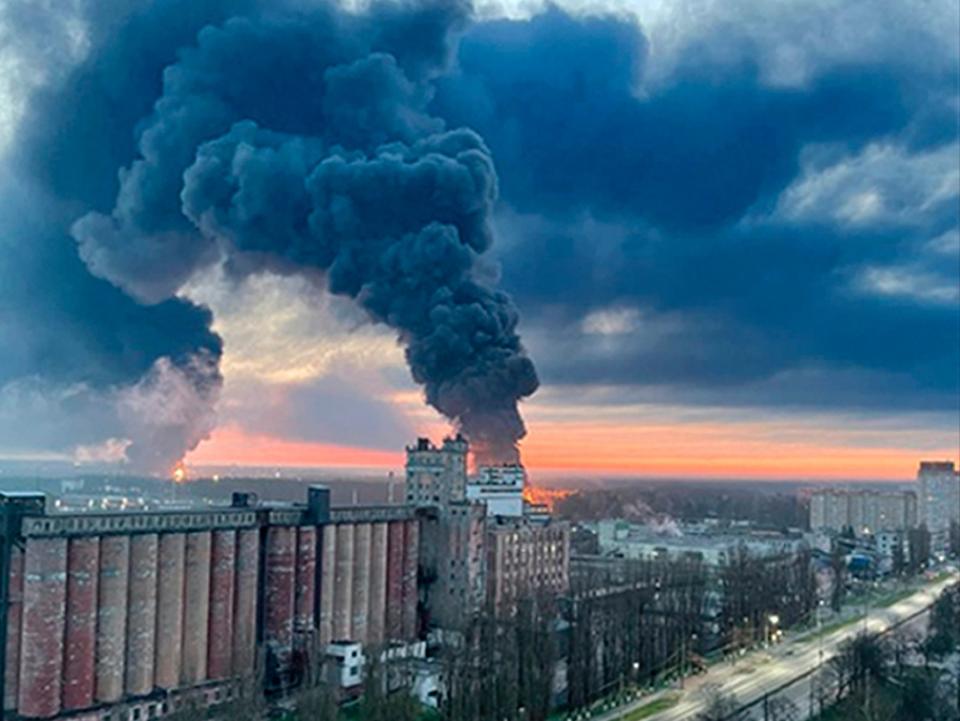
(230, 445)
(704, 450)
(680, 450)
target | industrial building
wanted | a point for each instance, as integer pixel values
(500, 489)
(437, 475)
(526, 559)
(640, 542)
(129, 615)
(484, 545)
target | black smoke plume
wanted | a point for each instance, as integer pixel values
(300, 143)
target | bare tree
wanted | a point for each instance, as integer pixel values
(722, 706)
(838, 567)
(860, 661)
(781, 708)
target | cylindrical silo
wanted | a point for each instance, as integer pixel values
(112, 617)
(169, 645)
(14, 620)
(196, 608)
(395, 540)
(360, 603)
(83, 575)
(328, 563)
(245, 602)
(44, 614)
(306, 581)
(411, 558)
(280, 558)
(223, 563)
(376, 621)
(142, 614)
(343, 583)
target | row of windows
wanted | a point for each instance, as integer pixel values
(158, 709)
(135, 522)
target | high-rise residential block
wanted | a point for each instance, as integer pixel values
(939, 500)
(865, 512)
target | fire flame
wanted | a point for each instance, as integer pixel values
(544, 496)
(179, 473)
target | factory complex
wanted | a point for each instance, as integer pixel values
(130, 615)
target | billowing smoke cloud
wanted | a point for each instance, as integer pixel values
(302, 145)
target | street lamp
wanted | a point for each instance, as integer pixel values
(773, 620)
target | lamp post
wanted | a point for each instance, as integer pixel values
(773, 621)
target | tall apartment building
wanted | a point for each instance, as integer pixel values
(437, 476)
(866, 512)
(939, 500)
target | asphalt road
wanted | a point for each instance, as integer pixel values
(761, 673)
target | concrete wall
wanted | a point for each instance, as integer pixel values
(328, 563)
(245, 602)
(223, 562)
(142, 614)
(395, 543)
(343, 583)
(83, 575)
(377, 621)
(196, 608)
(170, 574)
(44, 615)
(360, 601)
(411, 545)
(112, 618)
(14, 622)
(304, 624)
(279, 596)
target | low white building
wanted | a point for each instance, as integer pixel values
(346, 671)
(641, 542)
(500, 489)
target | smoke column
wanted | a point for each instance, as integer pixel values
(301, 143)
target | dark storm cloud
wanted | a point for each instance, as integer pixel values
(301, 144)
(665, 197)
(281, 138)
(557, 100)
(80, 345)
(748, 225)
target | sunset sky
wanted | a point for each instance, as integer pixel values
(730, 230)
